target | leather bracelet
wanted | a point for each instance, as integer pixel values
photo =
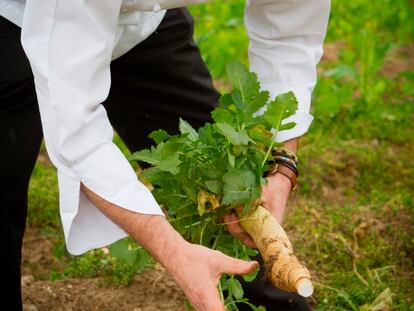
(285, 170)
(288, 165)
(285, 153)
(278, 159)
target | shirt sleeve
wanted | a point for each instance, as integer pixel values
(69, 46)
(286, 39)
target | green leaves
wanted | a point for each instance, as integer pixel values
(234, 136)
(237, 108)
(235, 289)
(186, 128)
(159, 136)
(246, 95)
(240, 187)
(223, 160)
(128, 251)
(149, 156)
(214, 186)
(221, 115)
(122, 250)
(260, 134)
(161, 157)
(284, 106)
(199, 175)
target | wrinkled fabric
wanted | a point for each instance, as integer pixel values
(70, 45)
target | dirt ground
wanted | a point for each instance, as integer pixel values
(153, 290)
(150, 291)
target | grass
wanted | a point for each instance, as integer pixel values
(352, 220)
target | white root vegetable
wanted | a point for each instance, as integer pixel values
(282, 267)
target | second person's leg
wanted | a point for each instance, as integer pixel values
(159, 81)
(20, 139)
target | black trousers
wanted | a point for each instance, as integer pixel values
(158, 81)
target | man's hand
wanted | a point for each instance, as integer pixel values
(274, 198)
(196, 269)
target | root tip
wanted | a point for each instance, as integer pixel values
(305, 288)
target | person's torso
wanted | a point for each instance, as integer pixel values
(13, 9)
(138, 19)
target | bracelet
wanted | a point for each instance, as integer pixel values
(285, 154)
(278, 159)
(284, 162)
(290, 166)
(284, 169)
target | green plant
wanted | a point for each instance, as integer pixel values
(200, 175)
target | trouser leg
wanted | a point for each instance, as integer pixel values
(155, 84)
(20, 139)
(159, 81)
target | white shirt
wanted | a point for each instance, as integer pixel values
(70, 45)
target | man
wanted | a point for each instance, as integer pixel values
(157, 75)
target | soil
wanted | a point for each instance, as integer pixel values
(399, 60)
(152, 290)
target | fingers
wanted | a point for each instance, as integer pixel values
(233, 226)
(206, 298)
(232, 265)
(212, 300)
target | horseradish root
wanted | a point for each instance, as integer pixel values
(282, 267)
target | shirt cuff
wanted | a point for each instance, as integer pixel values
(303, 121)
(302, 117)
(85, 226)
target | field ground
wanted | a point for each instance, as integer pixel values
(352, 218)
(152, 290)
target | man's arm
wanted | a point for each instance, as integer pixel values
(196, 269)
(286, 38)
(69, 45)
(286, 43)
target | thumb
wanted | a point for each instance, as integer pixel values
(232, 265)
